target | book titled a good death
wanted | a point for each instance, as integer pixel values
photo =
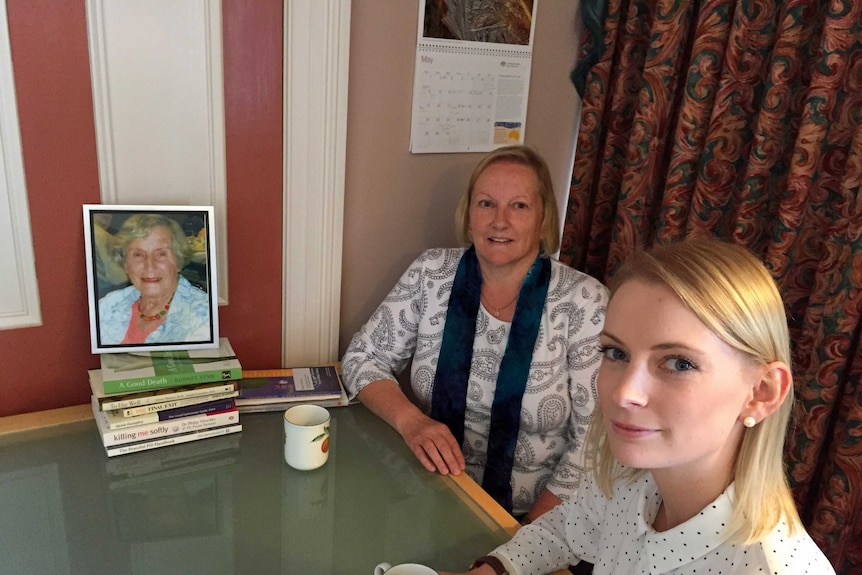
(133, 372)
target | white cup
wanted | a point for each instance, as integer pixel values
(306, 436)
(403, 569)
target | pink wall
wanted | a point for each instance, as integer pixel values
(46, 367)
(253, 48)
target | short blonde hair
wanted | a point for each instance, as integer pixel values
(139, 226)
(549, 239)
(734, 295)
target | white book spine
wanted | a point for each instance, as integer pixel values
(117, 421)
(152, 409)
(172, 440)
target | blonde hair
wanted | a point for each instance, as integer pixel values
(734, 295)
(549, 239)
(139, 226)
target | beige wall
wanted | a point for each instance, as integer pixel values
(398, 203)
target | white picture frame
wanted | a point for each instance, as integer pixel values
(113, 292)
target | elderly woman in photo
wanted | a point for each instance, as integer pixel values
(503, 342)
(695, 394)
(160, 306)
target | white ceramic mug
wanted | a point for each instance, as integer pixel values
(403, 569)
(306, 436)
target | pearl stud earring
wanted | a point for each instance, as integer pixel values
(749, 421)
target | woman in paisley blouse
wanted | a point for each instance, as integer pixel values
(503, 344)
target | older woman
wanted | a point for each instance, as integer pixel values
(160, 306)
(695, 393)
(503, 343)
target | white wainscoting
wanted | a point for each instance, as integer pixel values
(317, 45)
(158, 98)
(19, 291)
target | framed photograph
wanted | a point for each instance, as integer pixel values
(151, 278)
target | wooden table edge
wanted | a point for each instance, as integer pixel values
(475, 496)
(480, 498)
(42, 419)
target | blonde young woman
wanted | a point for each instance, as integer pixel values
(695, 392)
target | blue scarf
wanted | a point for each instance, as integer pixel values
(449, 395)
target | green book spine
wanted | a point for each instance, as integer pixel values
(171, 378)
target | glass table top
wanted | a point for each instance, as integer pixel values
(230, 505)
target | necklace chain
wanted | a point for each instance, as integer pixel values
(496, 310)
(161, 314)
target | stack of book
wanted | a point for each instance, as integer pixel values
(278, 389)
(144, 401)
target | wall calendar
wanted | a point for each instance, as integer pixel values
(472, 74)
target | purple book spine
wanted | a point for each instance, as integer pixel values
(197, 409)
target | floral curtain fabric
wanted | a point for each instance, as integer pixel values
(742, 120)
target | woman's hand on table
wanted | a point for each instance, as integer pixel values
(432, 443)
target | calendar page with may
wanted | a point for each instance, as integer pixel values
(472, 74)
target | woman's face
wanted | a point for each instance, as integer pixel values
(151, 264)
(672, 393)
(506, 215)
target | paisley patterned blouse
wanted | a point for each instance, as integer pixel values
(561, 393)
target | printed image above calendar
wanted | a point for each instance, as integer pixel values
(472, 75)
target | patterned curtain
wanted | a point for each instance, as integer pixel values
(742, 120)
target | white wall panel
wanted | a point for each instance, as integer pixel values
(19, 292)
(158, 96)
(317, 43)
